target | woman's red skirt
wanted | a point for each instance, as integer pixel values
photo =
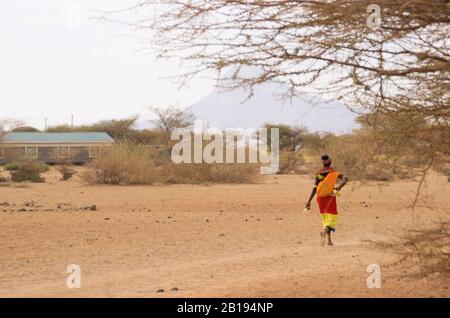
(327, 204)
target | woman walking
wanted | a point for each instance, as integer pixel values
(326, 189)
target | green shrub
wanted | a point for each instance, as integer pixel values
(12, 166)
(16, 165)
(28, 170)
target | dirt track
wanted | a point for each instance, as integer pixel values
(218, 240)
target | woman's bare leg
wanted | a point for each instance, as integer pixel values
(330, 242)
(322, 237)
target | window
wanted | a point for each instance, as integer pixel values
(31, 152)
(64, 152)
(94, 152)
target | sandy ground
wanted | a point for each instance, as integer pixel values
(208, 241)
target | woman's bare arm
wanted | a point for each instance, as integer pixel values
(343, 182)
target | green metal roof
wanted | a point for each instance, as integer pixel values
(44, 137)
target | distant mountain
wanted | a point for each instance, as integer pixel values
(230, 110)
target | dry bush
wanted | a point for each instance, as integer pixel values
(123, 164)
(429, 248)
(352, 155)
(360, 156)
(66, 172)
(211, 173)
(128, 164)
(146, 137)
(442, 165)
(292, 161)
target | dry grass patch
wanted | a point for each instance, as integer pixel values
(123, 164)
(428, 248)
(211, 173)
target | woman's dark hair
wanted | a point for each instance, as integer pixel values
(324, 158)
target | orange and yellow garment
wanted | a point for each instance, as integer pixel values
(327, 204)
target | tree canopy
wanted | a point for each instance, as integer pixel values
(399, 67)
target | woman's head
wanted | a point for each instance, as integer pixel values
(326, 160)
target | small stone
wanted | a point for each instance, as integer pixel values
(175, 289)
(160, 291)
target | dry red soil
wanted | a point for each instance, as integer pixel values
(208, 240)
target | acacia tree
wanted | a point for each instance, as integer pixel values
(119, 129)
(170, 118)
(291, 138)
(302, 43)
(399, 66)
(8, 125)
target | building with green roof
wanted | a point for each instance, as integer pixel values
(54, 147)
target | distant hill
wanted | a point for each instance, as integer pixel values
(228, 110)
(231, 109)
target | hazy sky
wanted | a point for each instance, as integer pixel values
(55, 62)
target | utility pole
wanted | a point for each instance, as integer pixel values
(45, 119)
(71, 123)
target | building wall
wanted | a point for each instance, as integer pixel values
(78, 154)
(9, 154)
